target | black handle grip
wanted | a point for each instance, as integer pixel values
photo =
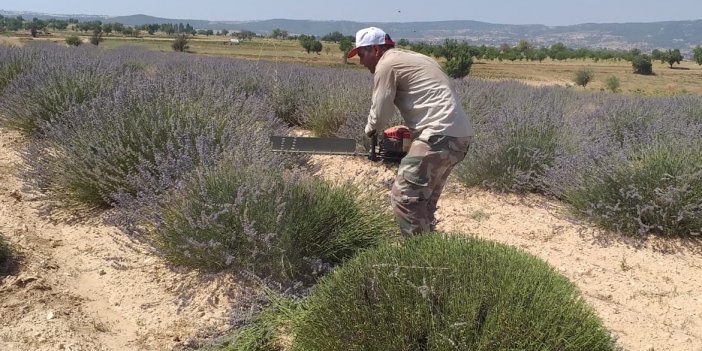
(374, 143)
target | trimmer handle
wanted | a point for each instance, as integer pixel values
(374, 143)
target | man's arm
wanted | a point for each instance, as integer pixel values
(382, 107)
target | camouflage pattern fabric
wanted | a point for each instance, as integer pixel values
(421, 179)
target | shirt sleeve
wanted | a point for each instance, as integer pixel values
(382, 106)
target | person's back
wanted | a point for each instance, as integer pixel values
(423, 94)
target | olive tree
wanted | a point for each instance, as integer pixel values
(697, 54)
(673, 56)
(642, 64)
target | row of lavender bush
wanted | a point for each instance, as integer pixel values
(629, 163)
(632, 164)
(178, 146)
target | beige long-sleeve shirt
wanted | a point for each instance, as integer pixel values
(421, 91)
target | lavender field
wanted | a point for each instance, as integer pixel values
(128, 128)
(175, 148)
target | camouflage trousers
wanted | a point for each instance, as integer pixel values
(421, 179)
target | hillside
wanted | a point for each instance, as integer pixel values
(683, 35)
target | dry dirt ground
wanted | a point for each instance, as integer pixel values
(86, 287)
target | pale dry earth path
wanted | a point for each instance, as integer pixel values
(647, 291)
(87, 287)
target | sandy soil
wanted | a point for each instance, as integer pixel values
(647, 291)
(86, 287)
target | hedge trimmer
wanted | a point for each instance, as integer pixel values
(392, 147)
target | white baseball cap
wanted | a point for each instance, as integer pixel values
(370, 36)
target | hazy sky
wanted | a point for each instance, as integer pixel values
(549, 12)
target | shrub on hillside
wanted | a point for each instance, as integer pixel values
(583, 76)
(447, 293)
(642, 65)
(612, 84)
(458, 67)
(180, 43)
(73, 40)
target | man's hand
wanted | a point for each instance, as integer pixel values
(370, 132)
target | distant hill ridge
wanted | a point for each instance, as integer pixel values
(683, 35)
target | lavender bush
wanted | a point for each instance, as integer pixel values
(602, 153)
(62, 80)
(638, 170)
(657, 188)
(516, 138)
(164, 119)
(13, 62)
(143, 138)
(338, 96)
(437, 292)
(283, 228)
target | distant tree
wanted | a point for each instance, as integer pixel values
(345, 45)
(423, 48)
(657, 55)
(452, 48)
(89, 26)
(246, 34)
(316, 46)
(558, 51)
(306, 41)
(117, 27)
(14, 24)
(612, 83)
(642, 64)
(524, 45)
(167, 28)
(333, 37)
(673, 56)
(96, 38)
(57, 24)
(583, 76)
(403, 42)
(697, 54)
(107, 28)
(458, 66)
(279, 34)
(180, 43)
(541, 54)
(223, 32)
(633, 53)
(73, 40)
